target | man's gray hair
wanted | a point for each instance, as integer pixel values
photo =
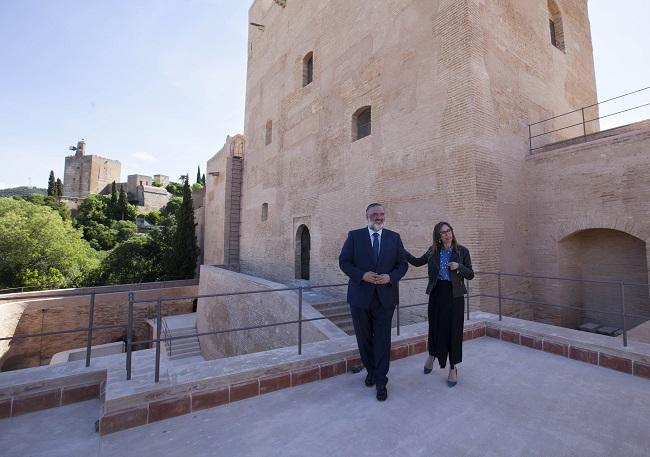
(372, 205)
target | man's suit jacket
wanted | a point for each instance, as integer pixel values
(357, 258)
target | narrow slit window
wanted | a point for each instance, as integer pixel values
(308, 69)
(265, 211)
(269, 132)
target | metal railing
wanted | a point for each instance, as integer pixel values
(583, 120)
(300, 320)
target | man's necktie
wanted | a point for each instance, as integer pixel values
(375, 244)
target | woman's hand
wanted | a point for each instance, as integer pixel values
(453, 266)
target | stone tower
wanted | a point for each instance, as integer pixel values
(423, 105)
(88, 174)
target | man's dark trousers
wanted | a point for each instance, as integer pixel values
(372, 329)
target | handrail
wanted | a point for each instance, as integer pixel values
(169, 337)
(583, 122)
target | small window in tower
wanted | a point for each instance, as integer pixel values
(553, 39)
(265, 211)
(361, 123)
(269, 132)
(556, 28)
(307, 69)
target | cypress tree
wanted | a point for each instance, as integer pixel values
(198, 174)
(59, 187)
(185, 250)
(203, 180)
(51, 185)
(113, 205)
(122, 204)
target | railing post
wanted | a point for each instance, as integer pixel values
(397, 318)
(530, 140)
(468, 281)
(129, 337)
(158, 325)
(91, 314)
(622, 286)
(300, 320)
(584, 128)
(499, 284)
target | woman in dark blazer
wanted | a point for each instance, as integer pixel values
(449, 264)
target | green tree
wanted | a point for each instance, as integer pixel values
(122, 205)
(94, 208)
(198, 175)
(113, 202)
(100, 236)
(136, 260)
(197, 186)
(175, 189)
(184, 248)
(203, 179)
(38, 248)
(172, 206)
(52, 202)
(59, 187)
(51, 185)
(124, 230)
(153, 217)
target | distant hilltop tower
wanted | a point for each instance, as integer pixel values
(88, 174)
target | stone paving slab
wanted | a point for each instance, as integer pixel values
(510, 400)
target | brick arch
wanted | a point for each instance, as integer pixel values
(598, 222)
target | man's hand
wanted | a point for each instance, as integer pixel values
(370, 276)
(382, 279)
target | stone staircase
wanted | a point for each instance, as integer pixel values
(337, 312)
(175, 326)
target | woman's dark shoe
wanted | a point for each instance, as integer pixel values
(428, 365)
(452, 379)
(370, 380)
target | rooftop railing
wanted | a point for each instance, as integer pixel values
(621, 313)
(579, 120)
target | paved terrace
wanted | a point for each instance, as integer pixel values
(510, 401)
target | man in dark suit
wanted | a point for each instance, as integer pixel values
(374, 260)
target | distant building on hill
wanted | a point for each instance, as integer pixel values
(88, 174)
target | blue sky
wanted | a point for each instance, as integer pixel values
(158, 84)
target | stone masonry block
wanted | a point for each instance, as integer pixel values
(242, 390)
(511, 337)
(332, 369)
(399, 352)
(123, 420)
(5, 408)
(79, 393)
(642, 370)
(555, 348)
(531, 342)
(275, 382)
(615, 363)
(493, 332)
(583, 355)
(417, 347)
(36, 402)
(210, 399)
(304, 376)
(164, 409)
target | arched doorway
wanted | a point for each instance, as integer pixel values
(606, 255)
(303, 245)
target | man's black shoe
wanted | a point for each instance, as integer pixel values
(370, 380)
(382, 393)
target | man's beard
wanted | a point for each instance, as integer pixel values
(375, 226)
